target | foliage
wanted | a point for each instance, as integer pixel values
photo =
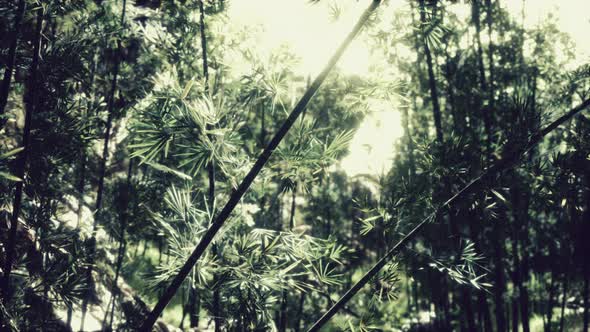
(305, 232)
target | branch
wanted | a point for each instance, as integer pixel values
(510, 158)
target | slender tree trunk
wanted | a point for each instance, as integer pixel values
(514, 315)
(459, 123)
(572, 202)
(549, 312)
(83, 154)
(122, 242)
(183, 306)
(524, 270)
(586, 293)
(261, 220)
(499, 252)
(431, 80)
(515, 272)
(47, 312)
(475, 7)
(263, 126)
(442, 191)
(217, 315)
(299, 312)
(194, 306)
(466, 300)
(487, 112)
(240, 316)
(522, 214)
(489, 20)
(408, 134)
(564, 299)
(485, 312)
(21, 161)
(499, 283)
(408, 290)
(101, 177)
(284, 301)
(476, 17)
(485, 321)
(69, 317)
(292, 215)
(406, 116)
(160, 249)
(81, 182)
(283, 312)
(11, 59)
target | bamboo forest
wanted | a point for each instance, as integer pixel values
(295, 165)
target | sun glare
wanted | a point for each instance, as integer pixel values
(313, 31)
(372, 148)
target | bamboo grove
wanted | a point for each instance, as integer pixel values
(160, 171)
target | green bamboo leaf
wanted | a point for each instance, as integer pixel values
(167, 169)
(11, 153)
(187, 89)
(9, 177)
(500, 196)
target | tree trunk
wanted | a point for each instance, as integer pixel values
(183, 306)
(431, 80)
(263, 126)
(466, 294)
(101, 177)
(211, 168)
(475, 7)
(5, 87)
(283, 313)
(21, 161)
(443, 191)
(514, 315)
(81, 182)
(550, 300)
(524, 269)
(83, 153)
(160, 249)
(299, 312)
(489, 15)
(499, 283)
(122, 243)
(586, 292)
(194, 306)
(284, 301)
(292, 216)
(484, 311)
(69, 317)
(476, 18)
(564, 300)
(516, 262)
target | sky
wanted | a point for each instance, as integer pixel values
(312, 35)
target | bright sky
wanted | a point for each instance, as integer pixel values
(313, 36)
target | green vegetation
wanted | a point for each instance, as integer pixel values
(160, 170)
